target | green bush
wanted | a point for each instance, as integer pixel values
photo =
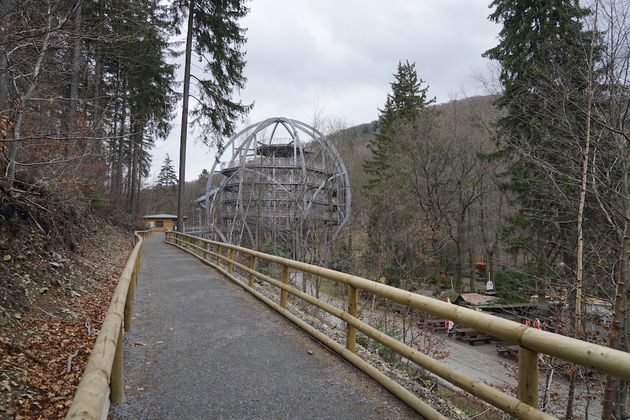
(511, 285)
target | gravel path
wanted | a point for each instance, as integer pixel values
(202, 348)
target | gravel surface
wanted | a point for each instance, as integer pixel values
(201, 347)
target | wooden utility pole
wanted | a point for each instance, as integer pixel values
(184, 128)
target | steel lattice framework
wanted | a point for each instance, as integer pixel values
(280, 180)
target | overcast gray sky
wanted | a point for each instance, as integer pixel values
(337, 57)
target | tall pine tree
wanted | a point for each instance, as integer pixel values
(544, 73)
(167, 176)
(407, 99)
(214, 33)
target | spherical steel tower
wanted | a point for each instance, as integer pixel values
(279, 180)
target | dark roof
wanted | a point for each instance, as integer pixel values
(278, 150)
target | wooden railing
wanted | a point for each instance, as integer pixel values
(531, 341)
(102, 379)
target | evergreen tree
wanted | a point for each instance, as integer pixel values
(406, 99)
(217, 40)
(133, 50)
(203, 177)
(544, 73)
(167, 176)
(213, 32)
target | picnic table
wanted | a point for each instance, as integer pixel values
(471, 336)
(507, 349)
(434, 325)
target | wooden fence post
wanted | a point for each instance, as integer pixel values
(131, 293)
(351, 332)
(230, 266)
(283, 293)
(528, 376)
(252, 265)
(219, 252)
(117, 380)
(139, 262)
(128, 309)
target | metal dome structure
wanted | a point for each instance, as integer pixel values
(279, 180)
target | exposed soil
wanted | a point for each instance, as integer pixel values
(59, 264)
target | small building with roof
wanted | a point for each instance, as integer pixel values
(162, 222)
(474, 299)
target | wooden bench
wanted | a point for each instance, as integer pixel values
(507, 349)
(477, 338)
(463, 332)
(434, 325)
(471, 336)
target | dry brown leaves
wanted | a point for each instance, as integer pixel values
(34, 372)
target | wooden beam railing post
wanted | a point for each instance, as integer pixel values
(230, 266)
(351, 332)
(117, 381)
(136, 274)
(528, 376)
(219, 252)
(284, 277)
(131, 294)
(252, 265)
(127, 314)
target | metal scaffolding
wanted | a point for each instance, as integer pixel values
(279, 180)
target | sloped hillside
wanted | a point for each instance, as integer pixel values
(59, 263)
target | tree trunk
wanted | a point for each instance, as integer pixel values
(6, 8)
(184, 127)
(140, 146)
(490, 267)
(579, 270)
(619, 324)
(17, 122)
(76, 69)
(120, 151)
(471, 262)
(134, 167)
(458, 268)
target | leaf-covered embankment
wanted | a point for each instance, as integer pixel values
(59, 264)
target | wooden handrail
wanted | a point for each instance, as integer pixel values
(531, 340)
(102, 378)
